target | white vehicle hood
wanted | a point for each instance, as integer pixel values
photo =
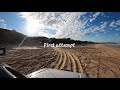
(53, 73)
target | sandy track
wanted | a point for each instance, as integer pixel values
(80, 68)
(67, 61)
(111, 59)
(109, 66)
(73, 62)
(64, 61)
(29, 60)
(82, 59)
(60, 60)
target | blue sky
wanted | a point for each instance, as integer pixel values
(12, 21)
(90, 26)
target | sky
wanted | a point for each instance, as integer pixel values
(88, 26)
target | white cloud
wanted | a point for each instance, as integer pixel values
(62, 22)
(95, 16)
(115, 24)
(118, 29)
(2, 20)
(65, 24)
(95, 29)
(118, 22)
(103, 26)
(112, 24)
(3, 24)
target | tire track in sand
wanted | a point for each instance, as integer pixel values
(73, 66)
(64, 59)
(60, 59)
(68, 65)
(57, 59)
(67, 61)
(80, 69)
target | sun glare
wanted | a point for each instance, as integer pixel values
(33, 28)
